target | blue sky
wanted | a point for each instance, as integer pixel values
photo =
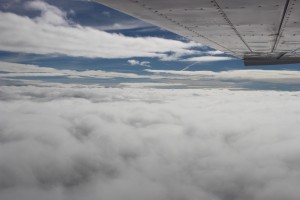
(87, 36)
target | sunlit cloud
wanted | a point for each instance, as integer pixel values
(208, 58)
(52, 33)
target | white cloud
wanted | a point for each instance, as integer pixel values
(234, 78)
(281, 76)
(95, 143)
(145, 63)
(125, 25)
(51, 33)
(208, 58)
(49, 14)
(215, 52)
(150, 85)
(141, 63)
(133, 62)
(22, 70)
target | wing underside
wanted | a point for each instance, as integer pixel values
(261, 32)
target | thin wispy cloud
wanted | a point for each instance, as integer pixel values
(22, 70)
(280, 76)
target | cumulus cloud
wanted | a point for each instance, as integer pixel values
(141, 63)
(134, 144)
(52, 33)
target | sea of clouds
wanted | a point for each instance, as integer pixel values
(65, 142)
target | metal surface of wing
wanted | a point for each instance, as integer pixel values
(259, 31)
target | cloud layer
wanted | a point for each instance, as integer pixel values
(275, 76)
(65, 142)
(13, 70)
(23, 70)
(10, 73)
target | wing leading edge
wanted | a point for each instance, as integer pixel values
(261, 32)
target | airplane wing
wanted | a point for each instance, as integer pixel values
(261, 32)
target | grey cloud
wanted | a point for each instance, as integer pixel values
(120, 144)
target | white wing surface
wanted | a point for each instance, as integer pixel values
(259, 31)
